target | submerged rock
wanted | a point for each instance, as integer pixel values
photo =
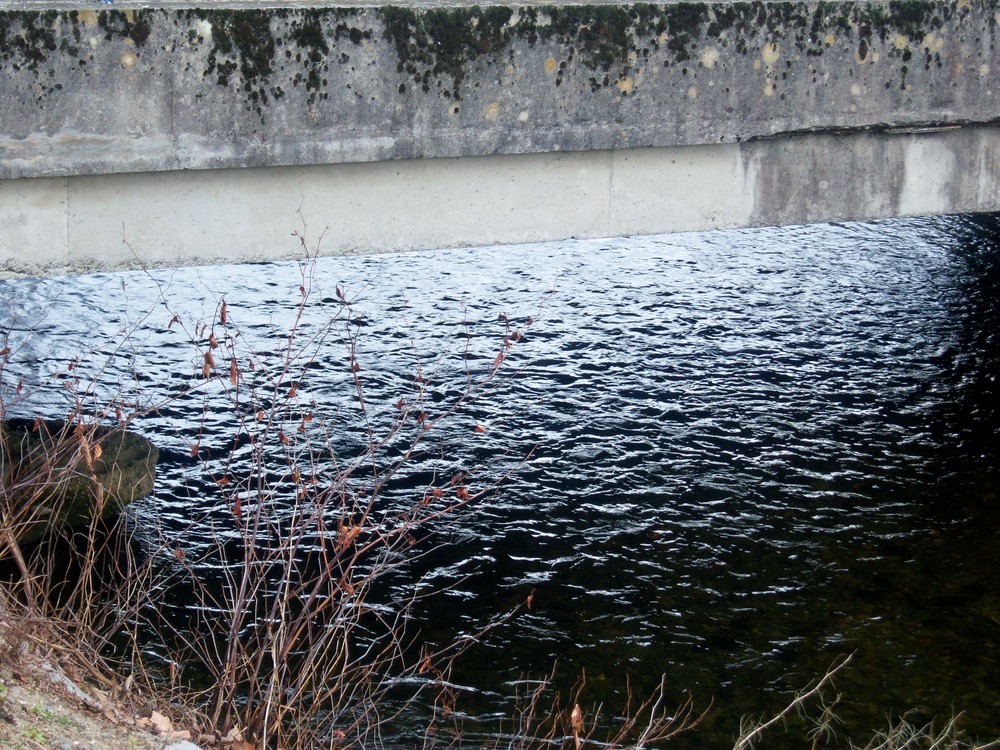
(55, 474)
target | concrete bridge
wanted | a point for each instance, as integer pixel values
(200, 134)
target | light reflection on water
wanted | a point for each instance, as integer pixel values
(749, 451)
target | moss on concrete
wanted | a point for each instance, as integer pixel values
(437, 48)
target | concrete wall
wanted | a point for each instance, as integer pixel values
(67, 224)
(204, 131)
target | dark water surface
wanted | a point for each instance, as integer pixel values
(750, 452)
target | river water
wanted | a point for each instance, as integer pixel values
(729, 457)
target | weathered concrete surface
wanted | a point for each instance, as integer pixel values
(233, 215)
(102, 90)
(387, 123)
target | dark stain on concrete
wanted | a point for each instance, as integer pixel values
(437, 47)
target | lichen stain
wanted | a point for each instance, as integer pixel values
(932, 43)
(709, 57)
(550, 65)
(626, 85)
(770, 53)
(87, 18)
(128, 60)
(492, 110)
(203, 29)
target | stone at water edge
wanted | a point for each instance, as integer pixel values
(73, 492)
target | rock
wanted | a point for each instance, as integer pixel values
(58, 475)
(56, 677)
(182, 745)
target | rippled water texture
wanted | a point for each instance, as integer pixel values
(750, 452)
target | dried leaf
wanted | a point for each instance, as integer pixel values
(283, 438)
(85, 448)
(223, 482)
(355, 367)
(237, 507)
(212, 341)
(437, 492)
(160, 723)
(222, 313)
(530, 599)
(179, 555)
(576, 722)
(194, 450)
(348, 534)
(234, 372)
(480, 428)
(98, 451)
(462, 493)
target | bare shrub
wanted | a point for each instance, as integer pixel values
(543, 719)
(299, 650)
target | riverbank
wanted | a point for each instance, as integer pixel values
(48, 700)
